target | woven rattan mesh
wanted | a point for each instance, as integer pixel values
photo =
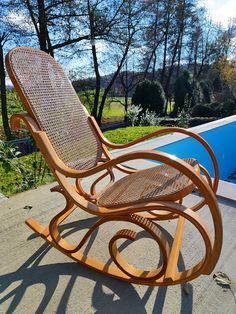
(147, 185)
(56, 106)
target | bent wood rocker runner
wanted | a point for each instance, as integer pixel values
(74, 147)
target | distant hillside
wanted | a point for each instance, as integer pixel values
(117, 89)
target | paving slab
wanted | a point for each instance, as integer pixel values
(35, 278)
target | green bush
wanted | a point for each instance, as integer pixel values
(150, 95)
(217, 107)
(203, 111)
(183, 92)
(200, 120)
(207, 91)
(133, 114)
(23, 173)
(229, 108)
(167, 121)
(183, 119)
(192, 121)
(149, 118)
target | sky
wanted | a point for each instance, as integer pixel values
(220, 10)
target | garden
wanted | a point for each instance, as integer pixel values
(148, 110)
(140, 65)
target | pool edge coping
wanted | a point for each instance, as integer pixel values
(226, 189)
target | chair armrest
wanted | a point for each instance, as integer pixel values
(57, 164)
(163, 131)
(30, 123)
(107, 143)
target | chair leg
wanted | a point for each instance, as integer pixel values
(166, 274)
(36, 227)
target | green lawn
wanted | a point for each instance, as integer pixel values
(113, 111)
(125, 135)
(27, 172)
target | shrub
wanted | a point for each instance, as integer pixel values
(166, 121)
(7, 153)
(133, 114)
(150, 95)
(200, 120)
(183, 92)
(206, 91)
(229, 108)
(218, 109)
(183, 119)
(192, 121)
(202, 111)
(149, 118)
(20, 174)
(217, 84)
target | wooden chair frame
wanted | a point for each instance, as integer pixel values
(142, 214)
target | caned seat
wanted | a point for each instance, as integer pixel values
(75, 148)
(156, 183)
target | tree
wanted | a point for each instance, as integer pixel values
(182, 21)
(182, 93)
(64, 25)
(150, 95)
(10, 32)
(125, 25)
(56, 23)
(207, 91)
(128, 80)
(6, 127)
(226, 74)
(153, 37)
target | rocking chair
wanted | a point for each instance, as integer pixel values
(75, 148)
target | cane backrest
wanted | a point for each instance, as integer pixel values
(49, 96)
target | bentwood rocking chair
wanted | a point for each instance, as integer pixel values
(74, 147)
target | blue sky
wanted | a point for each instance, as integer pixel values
(220, 10)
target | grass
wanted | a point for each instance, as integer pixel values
(14, 105)
(170, 106)
(125, 135)
(113, 111)
(13, 182)
(25, 172)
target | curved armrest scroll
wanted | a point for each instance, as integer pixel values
(31, 125)
(163, 131)
(54, 160)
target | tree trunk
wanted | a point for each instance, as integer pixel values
(6, 126)
(98, 84)
(109, 86)
(95, 64)
(126, 105)
(179, 55)
(42, 20)
(166, 89)
(195, 60)
(154, 66)
(165, 47)
(178, 43)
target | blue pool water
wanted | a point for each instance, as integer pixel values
(222, 140)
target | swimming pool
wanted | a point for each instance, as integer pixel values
(222, 141)
(221, 136)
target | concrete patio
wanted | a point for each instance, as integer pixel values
(35, 278)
